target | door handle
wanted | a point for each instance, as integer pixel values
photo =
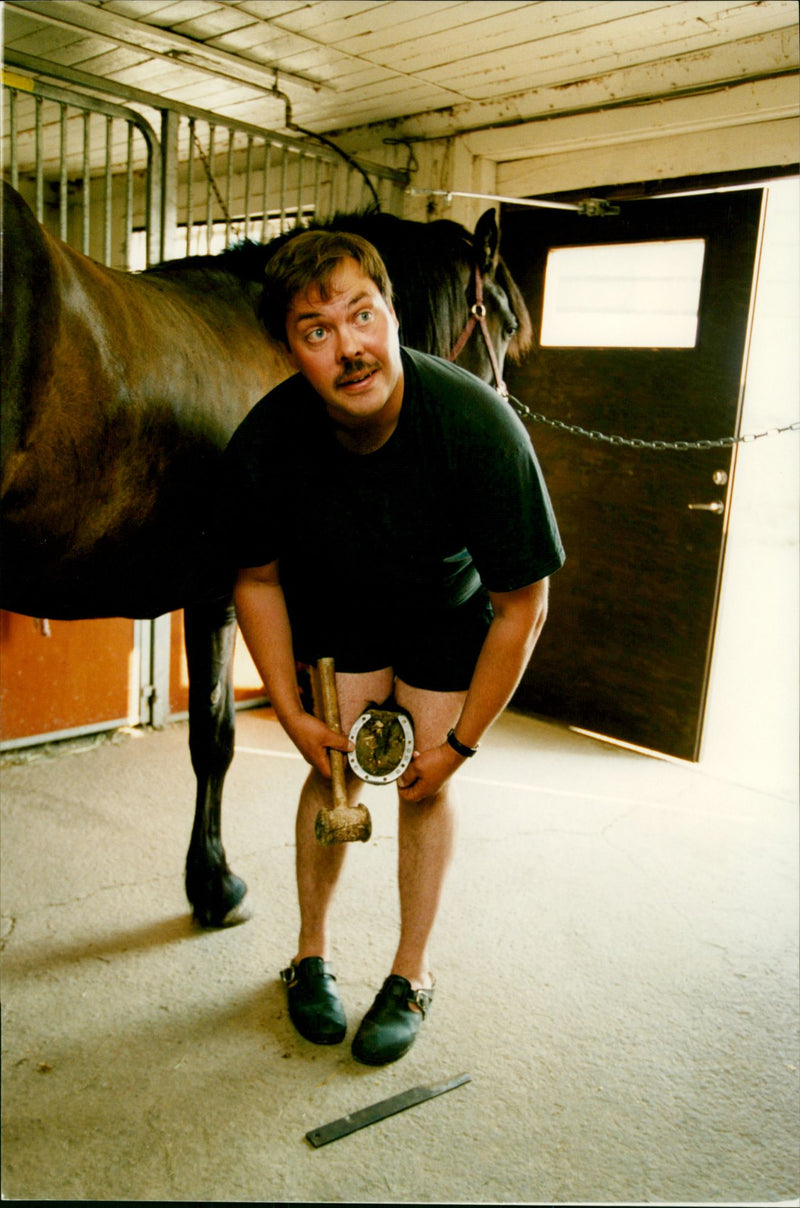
(716, 506)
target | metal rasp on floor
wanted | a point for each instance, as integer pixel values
(379, 1111)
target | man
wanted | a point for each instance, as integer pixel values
(389, 512)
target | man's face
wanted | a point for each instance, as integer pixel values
(348, 349)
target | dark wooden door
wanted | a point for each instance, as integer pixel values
(626, 651)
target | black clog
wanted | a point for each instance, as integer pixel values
(315, 1007)
(390, 1026)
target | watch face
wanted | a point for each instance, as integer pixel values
(384, 746)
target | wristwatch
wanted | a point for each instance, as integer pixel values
(460, 747)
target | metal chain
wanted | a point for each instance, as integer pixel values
(634, 442)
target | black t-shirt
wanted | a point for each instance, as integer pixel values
(454, 500)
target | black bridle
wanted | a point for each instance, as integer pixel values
(477, 316)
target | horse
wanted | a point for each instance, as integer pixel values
(120, 391)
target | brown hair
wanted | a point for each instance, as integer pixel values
(311, 258)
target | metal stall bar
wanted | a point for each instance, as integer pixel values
(12, 121)
(229, 185)
(248, 169)
(107, 197)
(86, 183)
(38, 153)
(284, 158)
(129, 197)
(190, 188)
(209, 178)
(300, 165)
(63, 176)
(316, 186)
(265, 193)
(37, 150)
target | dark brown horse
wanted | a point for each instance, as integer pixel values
(120, 391)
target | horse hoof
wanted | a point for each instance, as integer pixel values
(219, 907)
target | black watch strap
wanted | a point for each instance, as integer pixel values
(467, 752)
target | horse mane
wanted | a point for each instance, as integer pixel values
(429, 296)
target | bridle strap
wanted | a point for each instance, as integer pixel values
(477, 316)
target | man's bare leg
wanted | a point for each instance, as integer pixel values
(318, 868)
(426, 837)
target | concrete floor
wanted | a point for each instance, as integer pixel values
(616, 968)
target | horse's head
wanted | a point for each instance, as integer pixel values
(453, 292)
(498, 323)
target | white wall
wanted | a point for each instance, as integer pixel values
(752, 719)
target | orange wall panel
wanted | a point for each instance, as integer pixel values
(84, 673)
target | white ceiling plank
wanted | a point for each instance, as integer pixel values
(267, 44)
(109, 62)
(397, 87)
(514, 70)
(339, 71)
(267, 10)
(26, 33)
(447, 27)
(404, 89)
(214, 95)
(213, 24)
(158, 76)
(137, 9)
(319, 19)
(242, 99)
(524, 31)
(559, 38)
(76, 53)
(377, 24)
(419, 20)
(40, 40)
(262, 112)
(286, 40)
(168, 16)
(615, 38)
(257, 40)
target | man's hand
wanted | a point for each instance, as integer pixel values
(313, 738)
(429, 772)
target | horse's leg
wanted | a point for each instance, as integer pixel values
(210, 629)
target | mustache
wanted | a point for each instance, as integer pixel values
(355, 369)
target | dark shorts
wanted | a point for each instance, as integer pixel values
(436, 651)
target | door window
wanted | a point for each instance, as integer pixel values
(623, 295)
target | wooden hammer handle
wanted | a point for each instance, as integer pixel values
(345, 823)
(330, 713)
